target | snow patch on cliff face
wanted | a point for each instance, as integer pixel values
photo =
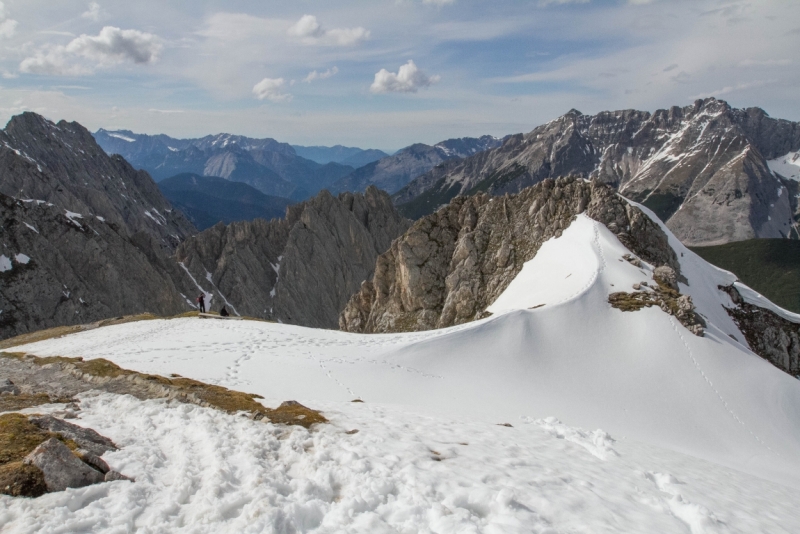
(787, 166)
(122, 137)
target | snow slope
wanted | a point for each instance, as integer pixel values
(787, 166)
(698, 434)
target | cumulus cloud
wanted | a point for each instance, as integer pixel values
(8, 27)
(408, 79)
(310, 31)
(271, 89)
(85, 53)
(733, 88)
(93, 13)
(314, 75)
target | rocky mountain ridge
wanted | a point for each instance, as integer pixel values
(451, 265)
(702, 168)
(272, 167)
(85, 236)
(394, 172)
(456, 265)
(298, 270)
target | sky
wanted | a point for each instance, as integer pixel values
(387, 73)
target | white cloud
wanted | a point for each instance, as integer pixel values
(53, 61)
(271, 89)
(93, 13)
(407, 80)
(85, 53)
(8, 27)
(439, 2)
(733, 88)
(310, 31)
(765, 63)
(113, 45)
(314, 75)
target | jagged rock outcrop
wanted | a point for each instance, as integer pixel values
(449, 266)
(665, 294)
(61, 164)
(701, 168)
(769, 335)
(301, 269)
(85, 236)
(58, 270)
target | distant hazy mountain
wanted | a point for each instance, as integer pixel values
(355, 157)
(703, 168)
(272, 167)
(392, 173)
(207, 200)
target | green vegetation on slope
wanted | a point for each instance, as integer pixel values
(770, 266)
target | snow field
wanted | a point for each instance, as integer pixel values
(623, 421)
(199, 470)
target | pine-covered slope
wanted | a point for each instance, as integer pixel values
(701, 168)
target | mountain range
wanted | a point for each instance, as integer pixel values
(282, 170)
(272, 167)
(704, 169)
(393, 172)
(208, 200)
(352, 156)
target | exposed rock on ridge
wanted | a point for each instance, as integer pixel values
(452, 264)
(769, 335)
(301, 269)
(62, 271)
(63, 165)
(85, 236)
(701, 168)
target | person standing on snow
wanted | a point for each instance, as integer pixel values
(201, 302)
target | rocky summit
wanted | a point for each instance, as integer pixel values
(298, 270)
(449, 266)
(84, 235)
(703, 168)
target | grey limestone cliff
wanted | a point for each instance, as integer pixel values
(84, 236)
(449, 266)
(301, 269)
(702, 168)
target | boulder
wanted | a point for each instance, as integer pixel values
(86, 438)
(61, 468)
(7, 387)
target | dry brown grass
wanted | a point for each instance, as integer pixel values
(192, 391)
(12, 403)
(20, 480)
(18, 437)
